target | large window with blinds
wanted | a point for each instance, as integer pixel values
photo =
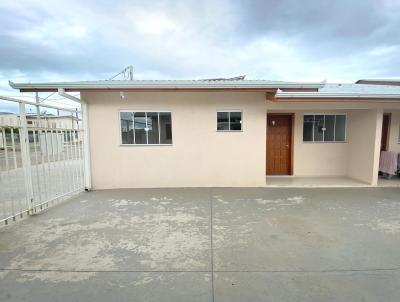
(324, 128)
(146, 128)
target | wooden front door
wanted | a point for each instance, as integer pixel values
(279, 144)
(385, 132)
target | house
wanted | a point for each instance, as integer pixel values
(44, 120)
(231, 132)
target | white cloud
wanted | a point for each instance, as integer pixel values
(64, 40)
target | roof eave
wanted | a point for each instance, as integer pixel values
(48, 87)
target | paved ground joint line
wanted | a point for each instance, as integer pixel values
(203, 271)
(211, 245)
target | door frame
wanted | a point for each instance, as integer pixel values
(292, 121)
(389, 115)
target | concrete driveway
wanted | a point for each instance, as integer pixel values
(208, 245)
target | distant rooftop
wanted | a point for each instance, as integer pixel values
(346, 91)
(390, 82)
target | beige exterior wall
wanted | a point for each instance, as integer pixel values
(394, 134)
(364, 150)
(322, 159)
(358, 157)
(200, 156)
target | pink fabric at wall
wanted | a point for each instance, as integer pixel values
(388, 162)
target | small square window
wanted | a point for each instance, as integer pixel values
(229, 121)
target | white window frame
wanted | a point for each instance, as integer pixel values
(323, 133)
(147, 137)
(229, 119)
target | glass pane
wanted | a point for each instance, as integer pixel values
(222, 121)
(308, 128)
(140, 125)
(318, 126)
(236, 121)
(165, 128)
(126, 127)
(340, 131)
(330, 128)
(152, 126)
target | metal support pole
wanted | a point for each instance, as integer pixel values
(77, 118)
(37, 110)
(130, 72)
(26, 160)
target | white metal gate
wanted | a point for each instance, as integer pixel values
(41, 158)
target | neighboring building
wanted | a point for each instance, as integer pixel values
(208, 133)
(45, 120)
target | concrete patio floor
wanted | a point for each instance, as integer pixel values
(219, 244)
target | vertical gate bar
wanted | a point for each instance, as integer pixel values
(65, 176)
(59, 169)
(36, 142)
(5, 148)
(81, 175)
(26, 161)
(37, 165)
(49, 177)
(7, 171)
(15, 189)
(43, 163)
(53, 162)
(72, 161)
(68, 161)
(76, 165)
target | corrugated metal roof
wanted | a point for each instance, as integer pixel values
(346, 91)
(358, 88)
(166, 84)
(392, 82)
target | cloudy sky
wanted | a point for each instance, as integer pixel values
(341, 40)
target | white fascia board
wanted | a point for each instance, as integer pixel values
(247, 84)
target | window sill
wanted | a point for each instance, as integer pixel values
(229, 131)
(344, 142)
(143, 145)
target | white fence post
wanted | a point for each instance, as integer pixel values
(25, 154)
(86, 151)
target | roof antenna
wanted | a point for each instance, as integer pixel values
(127, 73)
